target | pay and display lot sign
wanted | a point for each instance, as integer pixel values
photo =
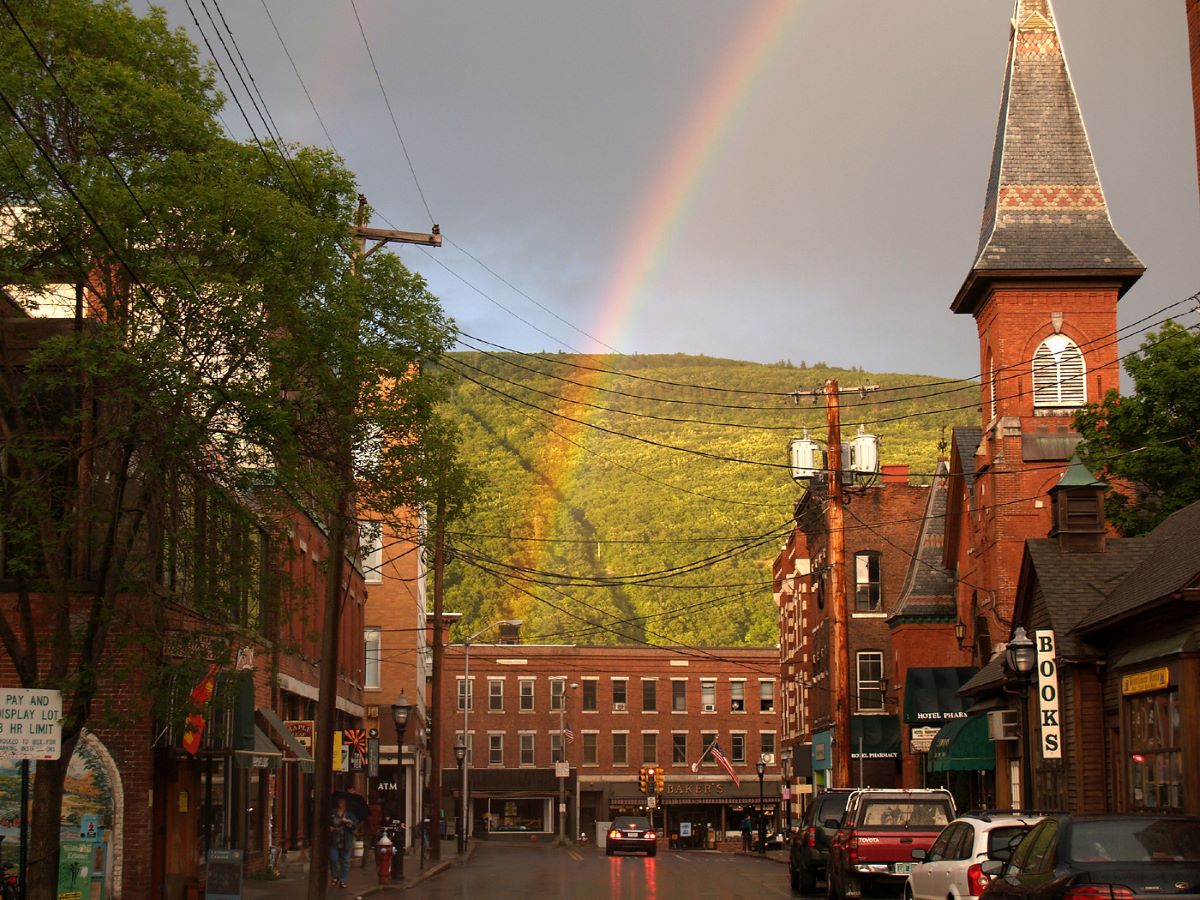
(30, 724)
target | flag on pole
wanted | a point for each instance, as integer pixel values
(719, 756)
(193, 727)
(569, 733)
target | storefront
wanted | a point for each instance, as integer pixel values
(510, 804)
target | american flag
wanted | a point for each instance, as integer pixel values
(719, 756)
(569, 733)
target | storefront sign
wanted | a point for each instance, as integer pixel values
(707, 788)
(30, 726)
(302, 731)
(921, 739)
(1150, 680)
(224, 880)
(1047, 683)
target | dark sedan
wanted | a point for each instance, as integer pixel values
(632, 834)
(1101, 858)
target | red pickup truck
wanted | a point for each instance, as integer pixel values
(872, 849)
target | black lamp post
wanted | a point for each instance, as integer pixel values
(400, 712)
(1019, 659)
(460, 754)
(761, 766)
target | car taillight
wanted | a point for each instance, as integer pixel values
(614, 833)
(650, 836)
(976, 880)
(852, 848)
(810, 837)
(1098, 892)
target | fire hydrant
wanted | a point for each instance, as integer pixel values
(384, 851)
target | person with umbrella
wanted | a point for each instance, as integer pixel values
(342, 823)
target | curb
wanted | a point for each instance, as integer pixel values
(762, 856)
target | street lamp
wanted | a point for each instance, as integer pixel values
(466, 701)
(562, 757)
(460, 755)
(400, 712)
(1019, 659)
(786, 759)
(761, 766)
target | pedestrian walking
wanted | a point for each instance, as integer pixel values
(747, 831)
(341, 842)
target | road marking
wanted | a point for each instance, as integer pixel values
(681, 856)
(576, 855)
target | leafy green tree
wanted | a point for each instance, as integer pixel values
(1146, 444)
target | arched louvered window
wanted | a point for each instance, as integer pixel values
(1058, 373)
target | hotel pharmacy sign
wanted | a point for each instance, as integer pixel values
(1047, 684)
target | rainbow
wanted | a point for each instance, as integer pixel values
(694, 153)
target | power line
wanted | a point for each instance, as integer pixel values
(296, 70)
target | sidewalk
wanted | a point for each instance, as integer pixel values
(363, 882)
(776, 856)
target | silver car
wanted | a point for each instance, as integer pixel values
(950, 870)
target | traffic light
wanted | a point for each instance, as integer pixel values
(643, 780)
(658, 781)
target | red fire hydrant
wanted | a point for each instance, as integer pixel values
(384, 851)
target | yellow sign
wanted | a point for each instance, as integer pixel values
(337, 751)
(1150, 680)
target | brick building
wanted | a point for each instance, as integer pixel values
(626, 706)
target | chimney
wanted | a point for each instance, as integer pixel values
(895, 474)
(510, 633)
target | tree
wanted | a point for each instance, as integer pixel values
(191, 282)
(1146, 444)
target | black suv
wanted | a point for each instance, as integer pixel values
(810, 842)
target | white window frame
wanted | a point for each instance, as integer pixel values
(528, 741)
(494, 695)
(372, 657)
(708, 695)
(370, 550)
(531, 694)
(624, 683)
(468, 686)
(558, 690)
(762, 695)
(496, 748)
(736, 739)
(583, 752)
(868, 689)
(625, 736)
(650, 762)
(1059, 374)
(737, 686)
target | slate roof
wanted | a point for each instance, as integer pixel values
(990, 676)
(1075, 584)
(929, 587)
(1044, 210)
(1170, 564)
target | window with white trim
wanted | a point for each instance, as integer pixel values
(527, 694)
(766, 740)
(870, 675)
(527, 743)
(372, 652)
(868, 596)
(470, 757)
(591, 745)
(708, 695)
(495, 749)
(370, 550)
(466, 693)
(649, 747)
(620, 692)
(737, 696)
(495, 694)
(558, 687)
(556, 746)
(1058, 373)
(737, 747)
(620, 748)
(766, 696)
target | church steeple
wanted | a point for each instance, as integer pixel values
(1044, 212)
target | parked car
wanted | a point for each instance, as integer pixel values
(952, 868)
(631, 834)
(1110, 857)
(872, 850)
(809, 850)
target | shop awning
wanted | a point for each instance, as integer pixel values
(963, 746)
(931, 695)
(260, 754)
(284, 738)
(874, 737)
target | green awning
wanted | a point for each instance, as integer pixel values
(963, 746)
(874, 737)
(251, 748)
(931, 695)
(261, 754)
(285, 738)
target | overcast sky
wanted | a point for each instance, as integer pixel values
(754, 180)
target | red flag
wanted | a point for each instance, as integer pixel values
(569, 733)
(193, 727)
(724, 763)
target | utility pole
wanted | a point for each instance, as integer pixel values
(435, 686)
(839, 656)
(340, 545)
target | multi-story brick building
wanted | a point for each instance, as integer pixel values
(626, 707)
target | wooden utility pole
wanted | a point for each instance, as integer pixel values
(336, 580)
(839, 656)
(435, 687)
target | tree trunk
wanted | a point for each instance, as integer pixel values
(46, 823)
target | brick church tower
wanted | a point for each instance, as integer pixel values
(1043, 289)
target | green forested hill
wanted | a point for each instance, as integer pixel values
(602, 533)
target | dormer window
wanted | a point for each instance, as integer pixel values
(1058, 373)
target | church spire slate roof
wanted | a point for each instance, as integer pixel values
(1044, 212)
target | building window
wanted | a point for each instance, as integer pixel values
(558, 687)
(620, 748)
(527, 743)
(649, 695)
(737, 748)
(649, 747)
(370, 551)
(495, 749)
(737, 696)
(620, 689)
(679, 748)
(870, 673)
(708, 695)
(867, 595)
(496, 694)
(590, 742)
(466, 693)
(766, 696)
(1156, 752)
(556, 746)
(766, 741)
(1058, 373)
(470, 757)
(706, 741)
(526, 694)
(589, 694)
(372, 651)
(679, 696)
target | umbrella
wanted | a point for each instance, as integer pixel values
(356, 804)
